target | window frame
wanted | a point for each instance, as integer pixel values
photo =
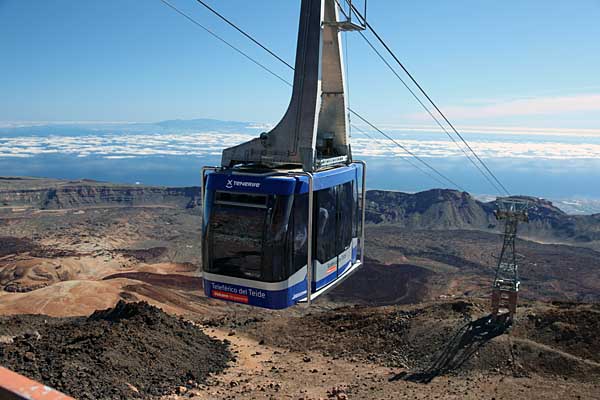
(274, 237)
(345, 216)
(325, 250)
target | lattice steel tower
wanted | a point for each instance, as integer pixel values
(506, 282)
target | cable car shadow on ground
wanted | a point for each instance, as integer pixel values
(465, 342)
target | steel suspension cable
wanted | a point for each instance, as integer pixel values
(289, 84)
(407, 151)
(348, 16)
(234, 26)
(365, 133)
(389, 50)
(350, 111)
(192, 20)
(429, 112)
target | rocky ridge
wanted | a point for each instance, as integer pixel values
(435, 209)
(56, 194)
(444, 209)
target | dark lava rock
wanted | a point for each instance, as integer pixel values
(133, 350)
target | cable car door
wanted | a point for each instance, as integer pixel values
(333, 236)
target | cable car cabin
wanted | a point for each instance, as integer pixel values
(276, 237)
(258, 248)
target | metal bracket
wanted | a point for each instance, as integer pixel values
(348, 25)
(345, 26)
(318, 104)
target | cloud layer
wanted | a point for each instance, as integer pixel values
(113, 146)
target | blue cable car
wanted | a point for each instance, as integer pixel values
(266, 244)
(283, 216)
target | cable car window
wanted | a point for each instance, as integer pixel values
(241, 199)
(300, 238)
(248, 236)
(277, 256)
(346, 207)
(236, 240)
(325, 211)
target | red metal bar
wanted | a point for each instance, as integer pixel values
(17, 387)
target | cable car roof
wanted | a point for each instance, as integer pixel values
(281, 183)
(329, 178)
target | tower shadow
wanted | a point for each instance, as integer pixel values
(466, 341)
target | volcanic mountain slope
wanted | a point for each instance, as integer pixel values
(411, 323)
(52, 194)
(436, 209)
(71, 262)
(440, 209)
(437, 350)
(461, 263)
(419, 246)
(433, 209)
(443, 350)
(112, 353)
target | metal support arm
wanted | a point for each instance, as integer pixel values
(315, 125)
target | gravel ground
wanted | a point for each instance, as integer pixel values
(133, 350)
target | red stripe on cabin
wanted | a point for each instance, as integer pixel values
(230, 296)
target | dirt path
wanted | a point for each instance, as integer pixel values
(267, 372)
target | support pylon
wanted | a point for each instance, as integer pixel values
(505, 288)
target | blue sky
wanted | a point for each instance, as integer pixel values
(527, 64)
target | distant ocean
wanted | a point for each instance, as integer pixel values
(563, 169)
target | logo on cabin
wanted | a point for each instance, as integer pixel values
(231, 184)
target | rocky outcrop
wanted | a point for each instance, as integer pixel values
(437, 209)
(432, 209)
(442, 209)
(82, 194)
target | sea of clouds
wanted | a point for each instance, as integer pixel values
(115, 145)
